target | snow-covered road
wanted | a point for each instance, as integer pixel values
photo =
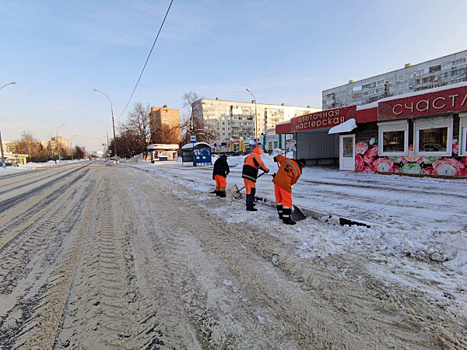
(141, 256)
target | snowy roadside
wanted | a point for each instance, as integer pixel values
(33, 166)
(418, 226)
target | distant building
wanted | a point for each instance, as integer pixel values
(234, 120)
(59, 142)
(8, 146)
(438, 72)
(165, 117)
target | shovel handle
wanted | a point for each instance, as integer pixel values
(256, 177)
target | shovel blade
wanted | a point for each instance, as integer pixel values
(297, 214)
(234, 192)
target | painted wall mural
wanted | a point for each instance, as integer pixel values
(368, 161)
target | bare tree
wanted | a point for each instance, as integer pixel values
(79, 152)
(127, 146)
(194, 125)
(165, 134)
(29, 145)
(137, 129)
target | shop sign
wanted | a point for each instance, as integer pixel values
(439, 102)
(323, 119)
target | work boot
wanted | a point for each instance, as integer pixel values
(280, 211)
(217, 193)
(288, 221)
(286, 216)
(251, 208)
(250, 200)
(221, 194)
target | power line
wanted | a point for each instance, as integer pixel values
(12, 123)
(147, 60)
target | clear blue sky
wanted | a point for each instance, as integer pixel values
(288, 52)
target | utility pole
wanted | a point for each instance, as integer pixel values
(113, 123)
(1, 148)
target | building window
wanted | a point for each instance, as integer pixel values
(393, 138)
(433, 136)
(356, 88)
(446, 65)
(463, 135)
(434, 69)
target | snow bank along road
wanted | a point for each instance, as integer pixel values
(96, 256)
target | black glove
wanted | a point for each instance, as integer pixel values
(273, 175)
(275, 159)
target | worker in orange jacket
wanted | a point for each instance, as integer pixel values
(287, 175)
(251, 164)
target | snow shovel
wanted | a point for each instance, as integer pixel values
(297, 214)
(236, 192)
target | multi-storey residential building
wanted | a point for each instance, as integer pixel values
(8, 146)
(232, 119)
(168, 117)
(59, 142)
(441, 71)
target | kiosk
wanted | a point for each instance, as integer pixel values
(198, 154)
(163, 152)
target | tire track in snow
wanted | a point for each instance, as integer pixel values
(40, 258)
(106, 307)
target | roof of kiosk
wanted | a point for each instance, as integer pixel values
(346, 126)
(202, 144)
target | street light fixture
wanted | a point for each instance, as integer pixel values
(113, 123)
(12, 83)
(1, 142)
(256, 118)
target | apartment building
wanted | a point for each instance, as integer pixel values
(431, 74)
(233, 119)
(58, 142)
(164, 116)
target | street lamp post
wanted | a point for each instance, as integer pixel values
(113, 123)
(1, 142)
(256, 118)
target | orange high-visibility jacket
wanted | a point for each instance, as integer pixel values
(252, 163)
(288, 173)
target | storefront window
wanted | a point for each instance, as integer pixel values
(433, 140)
(393, 141)
(393, 138)
(463, 135)
(433, 136)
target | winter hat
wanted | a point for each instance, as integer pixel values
(302, 162)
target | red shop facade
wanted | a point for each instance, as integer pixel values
(421, 133)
